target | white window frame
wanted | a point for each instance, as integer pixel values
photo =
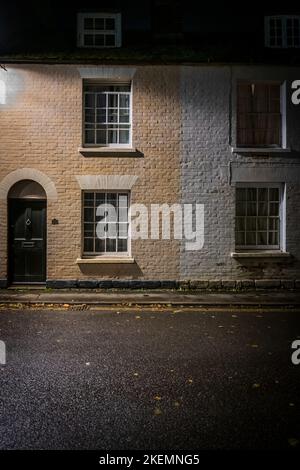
(282, 217)
(283, 19)
(106, 254)
(283, 128)
(111, 145)
(117, 31)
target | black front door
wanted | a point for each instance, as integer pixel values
(27, 240)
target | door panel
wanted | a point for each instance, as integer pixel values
(27, 241)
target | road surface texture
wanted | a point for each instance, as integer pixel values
(149, 379)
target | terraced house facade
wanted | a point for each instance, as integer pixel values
(109, 123)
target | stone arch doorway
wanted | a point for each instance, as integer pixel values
(27, 205)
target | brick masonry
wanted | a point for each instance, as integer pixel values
(183, 125)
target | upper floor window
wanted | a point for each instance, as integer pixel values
(259, 118)
(99, 29)
(107, 114)
(282, 31)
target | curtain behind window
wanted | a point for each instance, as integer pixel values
(258, 117)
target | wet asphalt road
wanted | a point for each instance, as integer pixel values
(149, 380)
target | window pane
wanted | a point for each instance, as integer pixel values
(100, 198)
(88, 40)
(124, 136)
(110, 23)
(273, 238)
(123, 230)
(262, 194)
(99, 40)
(99, 23)
(123, 200)
(240, 224)
(251, 208)
(89, 230)
(112, 137)
(251, 224)
(122, 245)
(89, 245)
(110, 244)
(89, 214)
(263, 209)
(124, 100)
(262, 238)
(123, 214)
(274, 194)
(240, 238)
(112, 100)
(262, 223)
(112, 199)
(100, 116)
(251, 194)
(274, 208)
(101, 137)
(88, 23)
(89, 116)
(251, 238)
(112, 115)
(89, 100)
(88, 199)
(101, 100)
(241, 208)
(110, 40)
(89, 137)
(99, 245)
(124, 115)
(273, 224)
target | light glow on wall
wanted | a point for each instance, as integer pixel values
(2, 92)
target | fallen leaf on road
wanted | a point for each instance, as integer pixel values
(157, 398)
(176, 404)
(256, 386)
(136, 374)
(190, 381)
(157, 412)
(293, 442)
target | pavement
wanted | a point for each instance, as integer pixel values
(149, 378)
(171, 297)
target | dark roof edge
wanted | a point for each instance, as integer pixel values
(10, 61)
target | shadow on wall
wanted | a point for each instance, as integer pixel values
(111, 271)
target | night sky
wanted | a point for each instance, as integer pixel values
(50, 25)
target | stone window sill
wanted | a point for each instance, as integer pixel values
(263, 150)
(260, 254)
(110, 152)
(106, 260)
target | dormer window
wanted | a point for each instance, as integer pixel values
(282, 31)
(97, 30)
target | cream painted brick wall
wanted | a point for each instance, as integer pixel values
(41, 128)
